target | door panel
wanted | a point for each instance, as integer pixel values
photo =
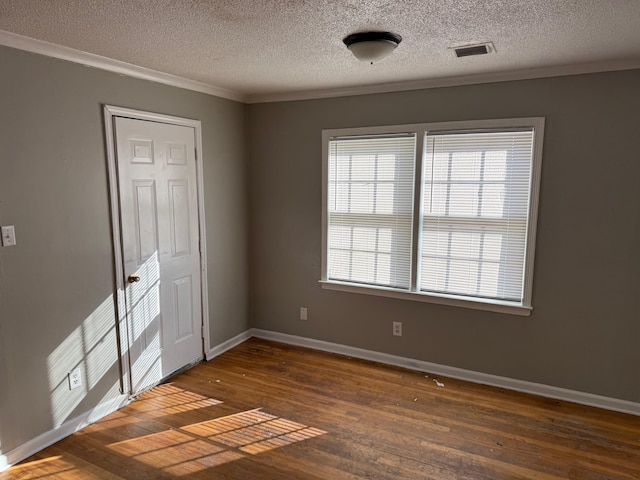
(183, 295)
(146, 220)
(180, 219)
(159, 220)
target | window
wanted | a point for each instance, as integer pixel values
(442, 212)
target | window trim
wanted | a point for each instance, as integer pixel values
(523, 308)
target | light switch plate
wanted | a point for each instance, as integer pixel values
(8, 233)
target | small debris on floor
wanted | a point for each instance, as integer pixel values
(440, 384)
(426, 376)
(415, 399)
(500, 444)
(217, 381)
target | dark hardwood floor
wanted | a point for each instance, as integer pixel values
(265, 410)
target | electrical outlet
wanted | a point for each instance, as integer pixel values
(75, 379)
(303, 313)
(397, 329)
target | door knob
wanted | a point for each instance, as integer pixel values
(133, 278)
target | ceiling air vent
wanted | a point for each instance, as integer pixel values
(471, 50)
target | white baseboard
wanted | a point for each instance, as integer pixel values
(56, 434)
(548, 391)
(104, 409)
(67, 428)
(229, 344)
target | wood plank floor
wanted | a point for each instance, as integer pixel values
(265, 410)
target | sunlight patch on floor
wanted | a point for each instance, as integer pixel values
(175, 452)
(51, 468)
(180, 450)
(199, 446)
(253, 431)
(115, 420)
(169, 400)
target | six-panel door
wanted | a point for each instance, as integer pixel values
(159, 218)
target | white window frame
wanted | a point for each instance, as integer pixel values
(523, 308)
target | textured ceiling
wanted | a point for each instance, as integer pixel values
(262, 49)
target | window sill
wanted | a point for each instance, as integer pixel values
(498, 306)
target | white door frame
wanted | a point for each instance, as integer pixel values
(110, 112)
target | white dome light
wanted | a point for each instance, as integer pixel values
(372, 46)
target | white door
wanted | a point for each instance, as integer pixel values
(160, 247)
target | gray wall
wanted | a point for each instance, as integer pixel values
(585, 327)
(57, 284)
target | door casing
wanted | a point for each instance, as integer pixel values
(110, 112)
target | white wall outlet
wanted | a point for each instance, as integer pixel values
(397, 329)
(8, 236)
(303, 313)
(75, 379)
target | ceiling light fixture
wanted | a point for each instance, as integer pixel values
(372, 46)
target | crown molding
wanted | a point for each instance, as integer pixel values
(41, 47)
(544, 72)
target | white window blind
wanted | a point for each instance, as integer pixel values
(370, 209)
(475, 208)
(435, 212)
